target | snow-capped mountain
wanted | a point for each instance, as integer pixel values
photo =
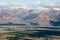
(38, 12)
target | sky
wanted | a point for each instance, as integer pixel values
(27, 1)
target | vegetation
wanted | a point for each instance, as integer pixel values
(18, 33)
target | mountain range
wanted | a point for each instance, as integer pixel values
(36, 12)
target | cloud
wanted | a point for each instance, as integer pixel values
(36, 5)
(57, 8)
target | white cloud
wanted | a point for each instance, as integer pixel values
(57, 8)
(37, 5)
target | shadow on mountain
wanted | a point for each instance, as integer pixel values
(11, 23)
(31, 16)
(33, 23)
(55, 23)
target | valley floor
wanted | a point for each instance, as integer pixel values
(29, 33)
